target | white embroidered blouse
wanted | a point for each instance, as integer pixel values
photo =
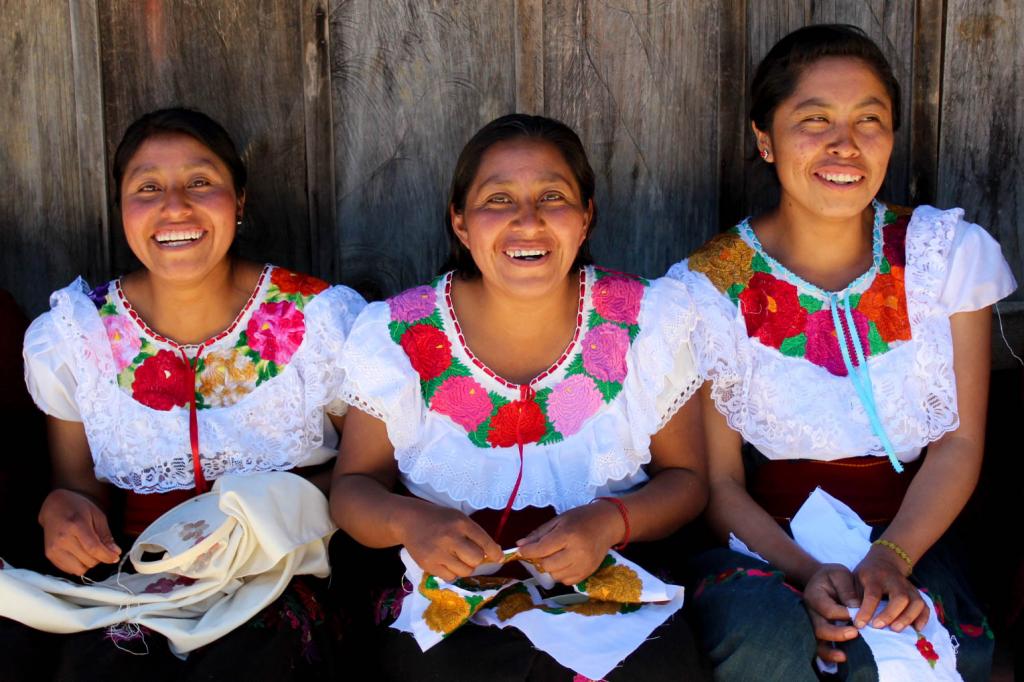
(768, 341)
(584, 424)
(260, 388)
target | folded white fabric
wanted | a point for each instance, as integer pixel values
(590, 631)
(832, 532)
(223, 556)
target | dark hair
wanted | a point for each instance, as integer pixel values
(195, 124)
(506, 129)
(781, 68)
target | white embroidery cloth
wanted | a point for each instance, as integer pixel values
(587, 634)
(438, 462)
(280, 424)
(225, 555)
(832, 532)
(791, 408)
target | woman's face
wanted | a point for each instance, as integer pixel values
(524, 219)
(179, 207)
(831, 139)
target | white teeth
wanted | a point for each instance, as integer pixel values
(179, 236)
(841, 178)
(524, 253)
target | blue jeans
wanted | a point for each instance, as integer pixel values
(753, 625)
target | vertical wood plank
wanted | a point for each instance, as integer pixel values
(926, 93)
(319, 136)
(981, 153)
(734, 125)
(411, 82)
(529, 17)
(644, 100)
(241, 62)
(50, 229)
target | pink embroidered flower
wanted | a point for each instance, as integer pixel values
(617, 298)
(823, 344)
(163, 381)
(275, 331)
(758, 573)
(413, 304)
(572, 402)
(604, 352)
(464, 400)
(124, 339)
(581, 678)
(165, 585)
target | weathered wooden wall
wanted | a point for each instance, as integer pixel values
(350, 114)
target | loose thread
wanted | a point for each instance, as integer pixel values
(1002, 333)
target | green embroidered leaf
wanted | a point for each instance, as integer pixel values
(498, 402)
(434, 320)
(810, 303)
(397, 329)
(633, 329)
(594, 319)
(126, 377)
(889, 217)
(243, 340)
(265, 371)
(884, 267)
(274, 295)
(854, 301)
(254, 356)
(201, 402)
(630, 608)
(875, 340)
(794, 346)
(428, 388)
(576, 366)
(200, 364)
(600, 273)
(734, 292)
(479, 437)
(474, 602)
(431, 583)
(147, 348)
(609, 389)
(759, 264)
(457, 369)
(108, 309)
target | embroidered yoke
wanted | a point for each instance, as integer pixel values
(250, 399)
(769, 341)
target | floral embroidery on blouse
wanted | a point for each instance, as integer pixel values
(797, 322)
(593, 376)
(269, 332)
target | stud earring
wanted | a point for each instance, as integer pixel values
(764, 154)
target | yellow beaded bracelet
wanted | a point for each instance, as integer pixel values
(896, 548)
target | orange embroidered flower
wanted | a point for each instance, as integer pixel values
(885, 304)
(725, 260)
(226, 378)
(595, 607)
(615, 583)
(514, 604)
(447, 611)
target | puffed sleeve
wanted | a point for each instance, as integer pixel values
(330, 317)
(379, 379)
(48, 374)
(978, 275)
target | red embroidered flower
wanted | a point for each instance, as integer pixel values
(895, 242)
(823, 344)
(163, 381)
(276, 330)
(927, 650)
(771, 309)
(165, 585)
(617, 298)
(294, 283)
(885, 304)
(428, 349)
(520, 421)
(971, 630)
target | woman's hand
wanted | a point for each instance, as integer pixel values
(883, 574)
(572, 545)
(828, 596)
(76, 534)
(445, 542)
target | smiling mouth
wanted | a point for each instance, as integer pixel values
(526, 254)
(841, 178)
(178, 238)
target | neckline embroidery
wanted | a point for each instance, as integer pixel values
(593, 367)
(792, 316)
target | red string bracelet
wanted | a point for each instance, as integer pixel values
(624, 512)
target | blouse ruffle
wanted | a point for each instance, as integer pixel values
(789, 408)
(437, 461)
(280, 424)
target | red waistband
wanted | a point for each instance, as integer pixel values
(869, 485)
(142, 510)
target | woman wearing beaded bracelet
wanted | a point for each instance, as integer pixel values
(508, 395)
(837, 366)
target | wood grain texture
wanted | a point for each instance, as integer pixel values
(529, 56)
(981, 160)
(241, 62)
(926, 102)
(411, 82)
(639, 82)
(51, 228)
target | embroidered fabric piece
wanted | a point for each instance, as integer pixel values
(802, 407)
(591, 631)
(276, 423)
(604, 432)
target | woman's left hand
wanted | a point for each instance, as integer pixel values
(884, 574)
(572, 545)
